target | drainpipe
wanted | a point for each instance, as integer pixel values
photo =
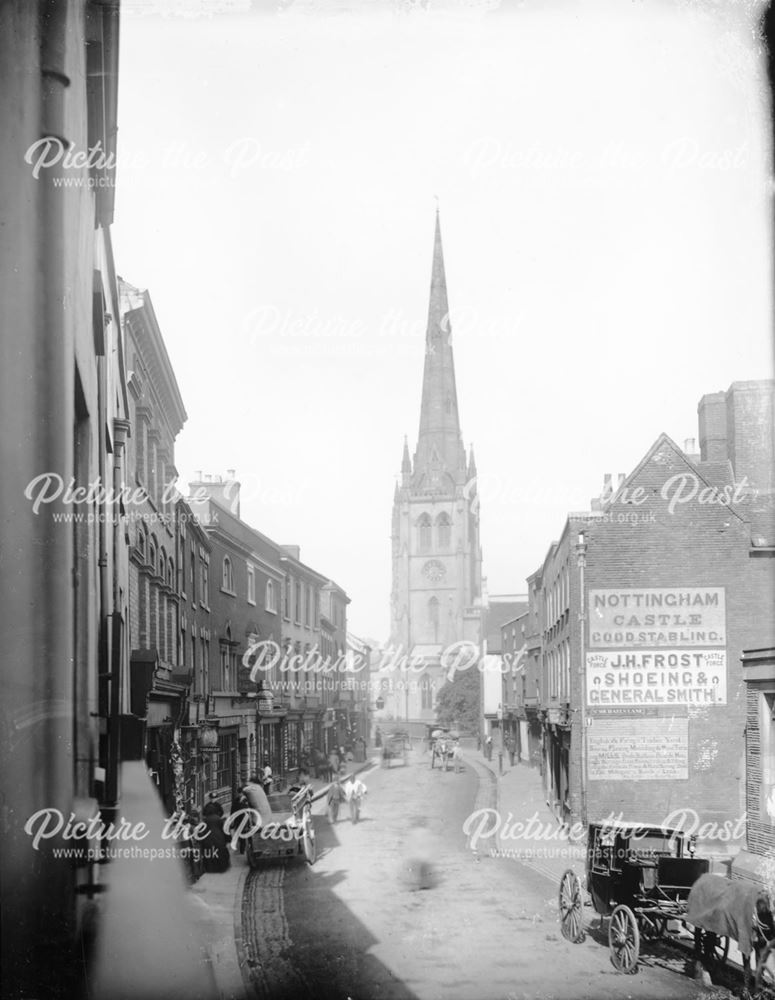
(581, 556)
(51, 782)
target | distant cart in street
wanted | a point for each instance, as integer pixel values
(396, 746)
(442, 746)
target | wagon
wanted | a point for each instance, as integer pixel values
(639, 877)
(645, 880)
(395, 747)
(285, 830)
(441, 746)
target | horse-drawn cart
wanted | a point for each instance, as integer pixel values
(647, 882)
(442, 744)
(396, 746)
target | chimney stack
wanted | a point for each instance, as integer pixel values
(712, 415)
(226, 493)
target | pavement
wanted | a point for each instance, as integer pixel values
(217, 899)
(515, 822)
(526, 830)
(520, 824)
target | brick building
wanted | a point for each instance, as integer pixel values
(245, 587)
(265, 599)
(757, 861)
(498, 721)
(158, 683)
(64, 608)
(656, 593)
(339, 691)
(193, 560)
(521, 689)
(310, 693)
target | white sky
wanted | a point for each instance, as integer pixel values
(602, 169)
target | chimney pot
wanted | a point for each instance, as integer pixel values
(231, 473)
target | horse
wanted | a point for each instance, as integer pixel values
(722, 907)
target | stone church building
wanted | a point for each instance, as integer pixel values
(437, 560)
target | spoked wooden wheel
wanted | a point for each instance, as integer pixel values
(624, 940)
(765, 969)
(571, 904)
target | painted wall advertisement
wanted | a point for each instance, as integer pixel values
(659, 677)
(651, 650)
(644, 619)
(638, 749)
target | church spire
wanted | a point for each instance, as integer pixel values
(440, 449)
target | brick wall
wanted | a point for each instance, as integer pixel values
(694, 545)
(750, 432)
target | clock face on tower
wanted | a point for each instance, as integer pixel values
(434, 570)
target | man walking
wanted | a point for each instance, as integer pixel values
(457, 757)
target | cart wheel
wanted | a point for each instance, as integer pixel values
(571, 903)
(308, 842)
(765, 969)
(624, 940)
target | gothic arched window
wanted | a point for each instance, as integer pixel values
(424, 526)
(444, 531)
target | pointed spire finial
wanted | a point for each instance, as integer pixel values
(406, 464)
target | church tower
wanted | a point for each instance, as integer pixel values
(437, 559)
